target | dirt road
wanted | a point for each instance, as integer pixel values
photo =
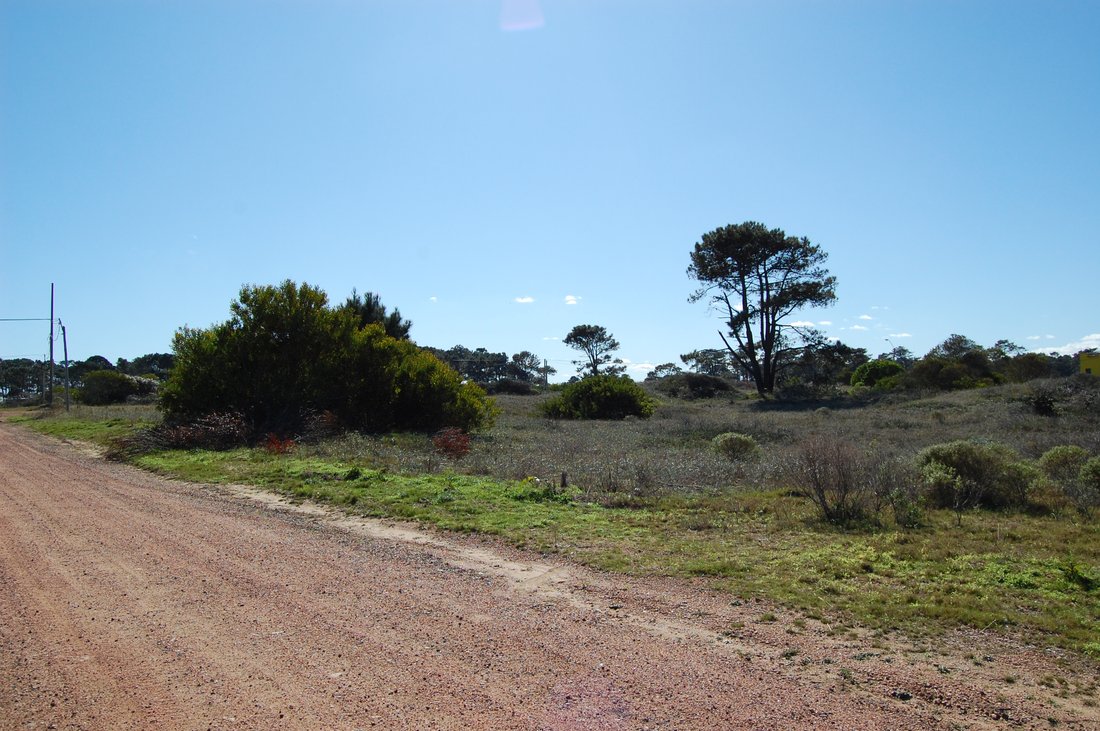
(132, 602)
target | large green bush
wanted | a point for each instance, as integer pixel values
(964, 474)
(285, 354)
(600, 397)
(874, 371)
(1063, 462)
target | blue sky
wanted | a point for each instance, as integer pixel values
(502, 170)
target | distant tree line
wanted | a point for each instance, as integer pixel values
(822, 365)
(497, 372)
(24, 379)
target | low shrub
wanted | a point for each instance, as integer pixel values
(693, 386)
(896, 482)
(217, 432)
(111, 387)
(963, 474)
(835, 474)
(600, 397)
(451, 442)
(274, 444)
(1086, 488)
(512, 386)
(736, 446)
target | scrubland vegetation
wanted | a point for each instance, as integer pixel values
(904, 512)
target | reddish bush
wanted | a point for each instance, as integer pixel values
(276, 445)
(452, 442)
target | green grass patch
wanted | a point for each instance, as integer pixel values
(96, 431)
(1035, 575)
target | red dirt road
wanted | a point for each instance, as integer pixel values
(132, 602)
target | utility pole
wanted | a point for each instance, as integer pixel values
(65, 343)
(49, 389)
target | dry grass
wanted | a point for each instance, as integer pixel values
(671, 453)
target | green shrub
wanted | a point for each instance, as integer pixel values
(736, 446)
(1064, 462)
(1086, 489)
(693, 386)
(112, 387)
(968, 474)
(512, 386)
(600, 397)
(871, 372)
(286, 355)
(896, 482)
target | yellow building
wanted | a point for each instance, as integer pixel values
(1090, 363)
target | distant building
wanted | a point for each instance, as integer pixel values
(1090, 363)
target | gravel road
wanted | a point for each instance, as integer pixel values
(128, 601)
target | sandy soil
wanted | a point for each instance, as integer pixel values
(132, 602)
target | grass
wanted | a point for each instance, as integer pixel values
(99, 425)
(652, 498)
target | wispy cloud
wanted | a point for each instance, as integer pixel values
(572, 299)
(866, 317)
(801, 323)
(824, 322)
(524, 300)
(901, 335)
(433, 299)
(857, 327)
(1086, 343)
(550, 337)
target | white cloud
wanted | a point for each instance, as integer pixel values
(825, 322)
(801, 323)
(524, 300)
(857, 327)
(551, 337)
(433, 299)
(901, 335)
(866, 317)
(571, 299)
(1033, 337)
(1049, 337)
(1072, 348)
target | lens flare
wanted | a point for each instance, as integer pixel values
(520, 15)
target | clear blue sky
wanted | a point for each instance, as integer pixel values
(502, 170)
